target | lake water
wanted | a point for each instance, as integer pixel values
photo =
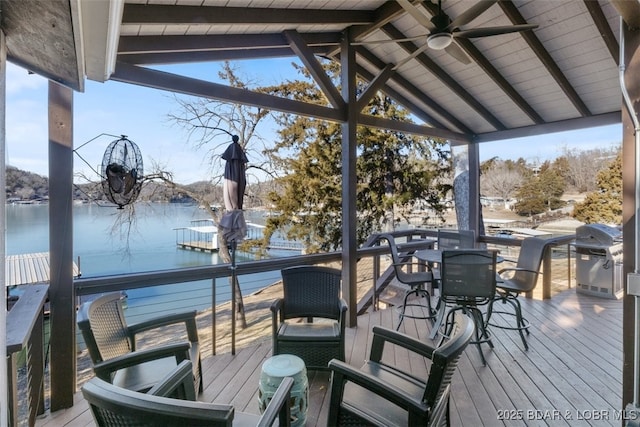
(104, 248)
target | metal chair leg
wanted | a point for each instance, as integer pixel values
(522, 324)
(417, 291)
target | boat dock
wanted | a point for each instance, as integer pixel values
(202, 235)
(28, 269)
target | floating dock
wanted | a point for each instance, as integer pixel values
(202, 236)
(28, 269)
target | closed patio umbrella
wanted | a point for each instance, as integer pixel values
(233, 227)
(232, 223)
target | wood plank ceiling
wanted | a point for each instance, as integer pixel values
(561, 75)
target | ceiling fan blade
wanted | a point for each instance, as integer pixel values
(406, 39)
(417, 15)
(458, 53)
(410, 57)
(470, 14)
(493, 31)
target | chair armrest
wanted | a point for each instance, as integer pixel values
(187, 317)
(342, 307)
(276, 315)
(513, 269)
(383, 335)
(177, 384)
(104, 369)
(409, 264)
(276, 305)
(342, 372)
(278, 406)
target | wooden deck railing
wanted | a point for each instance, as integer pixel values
(25, 336)
(409, 240)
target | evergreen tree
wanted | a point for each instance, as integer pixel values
(540, 193)
(395, 172)
(605, 204)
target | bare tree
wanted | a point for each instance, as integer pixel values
(209, 124)
(501, 180)
(582, 166)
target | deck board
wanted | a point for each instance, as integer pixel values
(574, 364)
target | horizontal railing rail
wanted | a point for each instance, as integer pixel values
(120, 282)
(409, 240)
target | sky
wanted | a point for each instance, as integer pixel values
(107, 110)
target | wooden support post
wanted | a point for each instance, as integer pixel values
(349, 144)
(61, 292)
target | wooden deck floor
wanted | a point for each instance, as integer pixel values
(571, 374)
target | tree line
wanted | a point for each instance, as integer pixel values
(397, 174)
(533, 189)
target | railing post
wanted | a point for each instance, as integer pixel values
(546, 273)
(12, 389)
(569, 265)
(376, 275)
(213, 316)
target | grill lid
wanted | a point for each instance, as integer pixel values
(598, 235)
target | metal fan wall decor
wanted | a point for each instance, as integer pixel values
(122, 172)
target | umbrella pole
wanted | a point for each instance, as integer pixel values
(233, 296)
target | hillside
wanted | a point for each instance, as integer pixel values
(24, 186)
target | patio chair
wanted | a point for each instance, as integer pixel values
(416, 280)
(456, 239)
(468, 280)
(309, 321)
(385, 394)
(448, 239)
(523, 279)
(112, 345)
(113, 406)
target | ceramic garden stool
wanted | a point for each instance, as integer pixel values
(274, 369)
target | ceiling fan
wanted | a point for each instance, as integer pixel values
(443, 30)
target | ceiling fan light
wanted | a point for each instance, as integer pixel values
(439, 41)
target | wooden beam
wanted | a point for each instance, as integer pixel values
(629, 11)
(315, 68)
(402, 100)
(536, 45)
(349, 180)
(444, 77)
(61, 290)
(156, 44)
(143, 14)
(559, 126)
(389, 11)
(211, 56)
(493, 73)
(374, 86)
(410, 88)
(382, 123)
(603, 27)
(189, 86)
